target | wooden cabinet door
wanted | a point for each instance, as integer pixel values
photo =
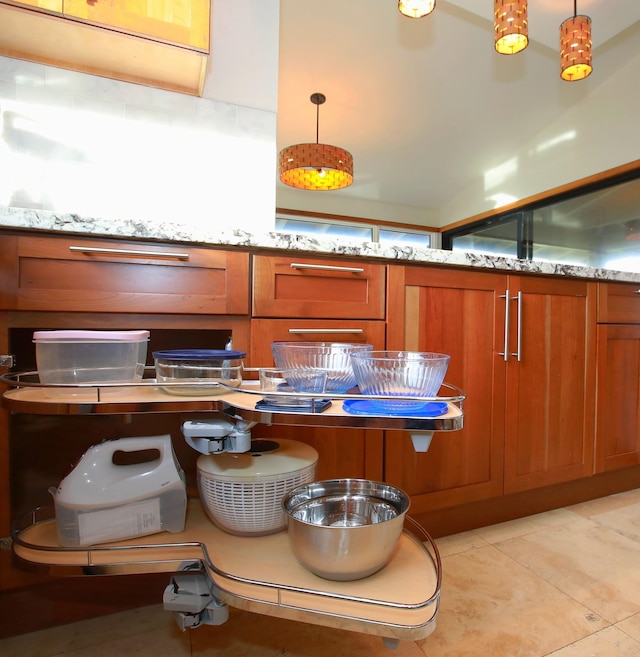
(618, 405)
(342, 452)
(74, 274)
(317, 288)
(47, 5)
(619, 303)
(457, 313)
(183, 22)
(551, 383)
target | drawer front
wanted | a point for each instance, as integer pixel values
(317, 288)
(619, 303)
(65, 274)
(266, 331)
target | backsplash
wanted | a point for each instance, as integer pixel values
(72, 142)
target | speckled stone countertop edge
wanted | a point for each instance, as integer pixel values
(26, 219)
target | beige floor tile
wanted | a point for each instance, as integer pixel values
(88, 633)
(597, 566)
(493, 606)
(631, 626)
(462, 542)
(255, 635)
(610, 642)
(530, 524)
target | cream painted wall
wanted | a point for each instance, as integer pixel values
(76, 143)
(601, 132)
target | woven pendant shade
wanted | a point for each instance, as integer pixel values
(511, 26)
(416, 8)
(316, 167)
(575, 48)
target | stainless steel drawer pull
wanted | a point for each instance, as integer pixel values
(518, 353)
(302, 265)
(505, 353)
(311, 331)
(129, 252)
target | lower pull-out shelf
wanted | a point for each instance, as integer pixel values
(261, 574)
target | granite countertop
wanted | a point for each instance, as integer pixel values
(21, 218)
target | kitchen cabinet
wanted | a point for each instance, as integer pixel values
(457, 313)
(618, 382)
(317, 288)
(550, 382)
(162, 44)
(523, 350)
(108, 276)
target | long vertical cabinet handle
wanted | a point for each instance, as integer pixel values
(505, 354)
(518, 353)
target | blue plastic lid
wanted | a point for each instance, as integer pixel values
(371, 407)
(198, 354)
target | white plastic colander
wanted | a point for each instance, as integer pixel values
(242, 493)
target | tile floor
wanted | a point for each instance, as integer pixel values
(565, 583)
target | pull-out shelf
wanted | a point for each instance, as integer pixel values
(261, 574)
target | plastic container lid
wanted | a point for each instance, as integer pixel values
(90, 336)
(289, 456)
(198, 354)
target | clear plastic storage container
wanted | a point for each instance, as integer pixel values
(72, 357)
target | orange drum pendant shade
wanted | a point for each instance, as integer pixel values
(510, 25)
(575, 47)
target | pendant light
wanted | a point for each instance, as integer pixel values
(316, 167)
(510, 26)
(575, 47)
(416, 8)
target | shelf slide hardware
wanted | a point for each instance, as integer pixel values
(505, 353)
(7, 360)
(92, 250)
(518, 353)
(302, 265)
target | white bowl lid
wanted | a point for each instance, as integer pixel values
(90, 336)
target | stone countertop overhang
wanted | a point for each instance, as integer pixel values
(25, 219)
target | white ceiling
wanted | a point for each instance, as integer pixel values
(427, 106)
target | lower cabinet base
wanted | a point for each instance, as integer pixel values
(465, 517)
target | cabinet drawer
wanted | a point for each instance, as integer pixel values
(266, 331)
(66, 274)
(317, 288)
(619, 303)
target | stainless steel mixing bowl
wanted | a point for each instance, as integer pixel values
(345, 529)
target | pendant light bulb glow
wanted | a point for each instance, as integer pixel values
(316, 167)
(510, 26)
(416, 8)
(575, 47)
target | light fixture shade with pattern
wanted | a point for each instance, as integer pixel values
(416, 8)
(510, 26)
(575, 48)
(316, 167)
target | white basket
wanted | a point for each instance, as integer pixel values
(242, 493)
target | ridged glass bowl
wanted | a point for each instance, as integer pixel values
(399, 373)
(332, 357)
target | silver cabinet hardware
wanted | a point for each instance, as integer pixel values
(301, 265)
(518, 353)
(312, 331)
(505, 353)
(7, 360)
(129, 252)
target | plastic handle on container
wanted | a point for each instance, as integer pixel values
(136, 444)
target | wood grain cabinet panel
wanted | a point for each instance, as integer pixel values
(619, 303)
(456, 313)
(65, 274)
(159, 44)
(185, 22)
(317, 288)
(618, 405)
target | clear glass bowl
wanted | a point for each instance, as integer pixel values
(332, 357)
(400, 373)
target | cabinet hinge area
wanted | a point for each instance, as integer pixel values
(5, 543)
(7, 360)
